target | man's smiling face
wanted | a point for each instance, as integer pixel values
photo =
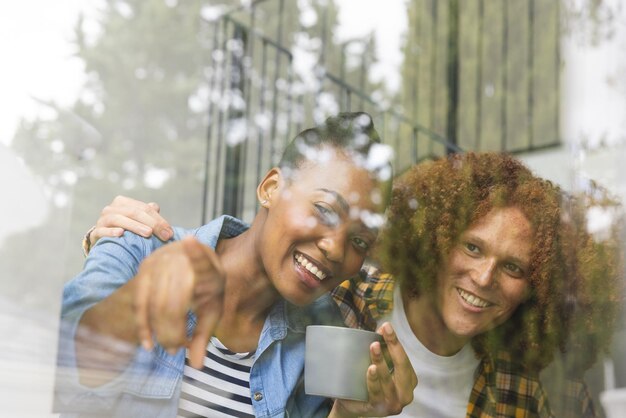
(485, 277)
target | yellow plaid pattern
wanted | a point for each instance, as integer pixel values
(501, 389)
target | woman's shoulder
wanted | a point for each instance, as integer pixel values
(224, 226)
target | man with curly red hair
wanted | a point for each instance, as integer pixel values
(493, 273)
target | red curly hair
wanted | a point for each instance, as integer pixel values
(575, 280)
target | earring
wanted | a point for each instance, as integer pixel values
(264, 202)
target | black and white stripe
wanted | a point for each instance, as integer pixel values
(221, 388)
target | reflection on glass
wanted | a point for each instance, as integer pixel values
(32, 239)
(189, 103)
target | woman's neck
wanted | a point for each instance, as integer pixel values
(429, 327)
(248, 295)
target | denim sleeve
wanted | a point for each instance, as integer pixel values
(301, 405)
(111, 263)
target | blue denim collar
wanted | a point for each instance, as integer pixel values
(283, 316)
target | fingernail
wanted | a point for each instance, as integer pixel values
(166, 233)
(388, 330)
(146, 345)
(376, 349)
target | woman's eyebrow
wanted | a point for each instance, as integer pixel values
(338, 197)
(345, 206)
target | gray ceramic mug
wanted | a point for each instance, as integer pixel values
(336, 361)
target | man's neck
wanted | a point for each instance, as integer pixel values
(429, 327)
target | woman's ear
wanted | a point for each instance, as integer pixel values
(268, 186)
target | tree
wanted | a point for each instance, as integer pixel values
(155, 71)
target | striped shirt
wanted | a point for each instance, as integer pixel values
(221, 388)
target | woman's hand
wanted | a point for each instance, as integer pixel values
(126, 214)
(151, 308)
(389, 390)
(179, 277)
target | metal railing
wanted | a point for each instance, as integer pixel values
(259, 99)
(257, 104)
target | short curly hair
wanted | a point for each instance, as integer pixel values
(574, 279)
(351, 133)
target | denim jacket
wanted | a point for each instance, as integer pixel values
(150, 385)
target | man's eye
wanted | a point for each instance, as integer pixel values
(327, 215)
(514, 269)
(472, 248)
(361, 243)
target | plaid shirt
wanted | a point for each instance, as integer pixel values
(500, 389)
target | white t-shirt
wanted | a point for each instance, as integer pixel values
(445, 383)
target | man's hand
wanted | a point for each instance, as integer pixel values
(126, 214)
(389, 390)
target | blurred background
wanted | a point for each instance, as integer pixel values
(187, 103)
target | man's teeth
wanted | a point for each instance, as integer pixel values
(310, 267)
(473, 300)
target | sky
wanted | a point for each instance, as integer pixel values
(39, 63)
(360, 17)
(37, 57)
(594, 88)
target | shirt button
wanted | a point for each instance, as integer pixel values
(258, 396)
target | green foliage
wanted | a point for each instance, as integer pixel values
(136, 112)
(139, 126)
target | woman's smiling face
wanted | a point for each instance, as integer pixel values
(485, 277)
(320, 225)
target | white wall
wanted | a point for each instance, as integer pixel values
(593, 108)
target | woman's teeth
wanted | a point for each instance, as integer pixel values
(473, 300)
(310, 267)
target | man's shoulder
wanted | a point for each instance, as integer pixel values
(500, 381)
(367, 286)
(365, 299)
